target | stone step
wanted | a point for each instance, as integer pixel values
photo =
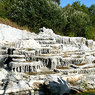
(17, 56)
(44, 69)
(3, 51)
(24, 63)
(18, 60)
(12, 63)
(15, 52)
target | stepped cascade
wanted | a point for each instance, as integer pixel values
(46, 50)
(29, 61)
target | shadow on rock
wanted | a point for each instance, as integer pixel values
(58, 87)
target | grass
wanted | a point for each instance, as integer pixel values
(87, 93)
(40, 73)
(77, 57)
(12, 24)
(54, 47)
(62, 67)
(80, 64)
(29, 49)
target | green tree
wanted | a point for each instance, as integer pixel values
(92, 9)
(92, 14)
(57, 1)
(67, 7)
(36, 14)
(67, 13)
(2, 10)
(77, 6)
(89, 34)
(77, 21)
(85, 9)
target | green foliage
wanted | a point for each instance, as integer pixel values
(56, 1)
(2, 10)
(93, 31)
(89, 33)
(72, 20)
(77, 21)
(77, 6)
(92, 9)
(72, 34)
(85, 85)
(85, 9)
(36, 14)
(92, 14)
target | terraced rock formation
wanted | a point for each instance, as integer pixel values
(22, 52)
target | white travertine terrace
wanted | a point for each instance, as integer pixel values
(31, 52)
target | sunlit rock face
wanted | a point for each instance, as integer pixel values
(8, 33)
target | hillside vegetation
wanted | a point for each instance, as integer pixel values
(72, 20)
(12, 24)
